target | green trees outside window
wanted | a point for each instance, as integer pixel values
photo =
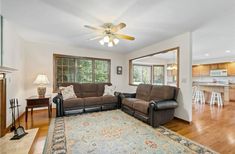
(142, 74)
(69, 69)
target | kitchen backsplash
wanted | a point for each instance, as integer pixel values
(224, 80)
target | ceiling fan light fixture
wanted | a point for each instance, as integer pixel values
(115, 41)
(101, 42)
(110, 44)
(106, 39)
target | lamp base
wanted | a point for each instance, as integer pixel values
(41, 91)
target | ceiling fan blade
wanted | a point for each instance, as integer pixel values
(93, 28)
(95, 38)
(122, 36)
(118, 27)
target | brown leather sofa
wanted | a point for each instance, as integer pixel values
(152, 104)
(89, 98)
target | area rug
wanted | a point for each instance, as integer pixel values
(114, 132)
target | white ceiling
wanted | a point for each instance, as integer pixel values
(149, 21)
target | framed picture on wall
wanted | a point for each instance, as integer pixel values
(119, 70)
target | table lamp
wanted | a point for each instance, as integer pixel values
(41, 81)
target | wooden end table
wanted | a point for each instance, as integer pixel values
(37, 102)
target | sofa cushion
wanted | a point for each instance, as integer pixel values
(67, 92)
(100, 90)
(141, 106)
(76, 87)
(162, 92)
(74, 103)
(109, 99)
(109, 90)
(89, 90)
(143, 91)
(129, 101)
(92, 101)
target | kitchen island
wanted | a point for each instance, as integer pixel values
(208, 87)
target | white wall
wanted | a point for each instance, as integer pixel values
(184, 111)
(39, 59)
(13, 56)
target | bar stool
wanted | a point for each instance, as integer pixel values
(216, 96)
(194, 89)
(199, 96)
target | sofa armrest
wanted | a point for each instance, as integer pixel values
(127, 95)
(163, 104)
(58, 100)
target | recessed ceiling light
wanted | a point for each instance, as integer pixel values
(227, 51)
(207, 54)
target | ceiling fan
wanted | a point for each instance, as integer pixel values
(109, 33)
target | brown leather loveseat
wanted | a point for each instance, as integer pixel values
(152, 104)
(89, 98)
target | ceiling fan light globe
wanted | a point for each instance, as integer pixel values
(115, 41)
(106, 39)
(110, 44)
(101, 42)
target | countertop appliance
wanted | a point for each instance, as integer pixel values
(221, 72)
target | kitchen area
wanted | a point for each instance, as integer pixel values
(215, 77)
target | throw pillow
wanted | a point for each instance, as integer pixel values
(68, 92)
(109, 90)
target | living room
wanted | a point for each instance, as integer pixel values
(41, 37)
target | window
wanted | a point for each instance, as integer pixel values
(142, 74)
(158, 74)
(70, 69)
(160, 68)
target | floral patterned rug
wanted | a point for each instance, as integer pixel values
(114, 132)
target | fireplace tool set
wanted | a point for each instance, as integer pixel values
(19, 131)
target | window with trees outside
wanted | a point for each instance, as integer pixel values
(158, 74)
(71, 69)
(142, 74)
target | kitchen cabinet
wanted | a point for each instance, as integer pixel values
(222, 66)
(196, 71)
(213, 66)
(231, 69)
(218, 66)
(205, 70)
(232, 93)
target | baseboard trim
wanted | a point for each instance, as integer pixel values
(185, 121)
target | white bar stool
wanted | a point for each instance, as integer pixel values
(216, 96)
(194, 89)
(199, 97)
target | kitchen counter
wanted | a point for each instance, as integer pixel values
(209, 87)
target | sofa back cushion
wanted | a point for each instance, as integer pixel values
(89, 90)
(162, 92)
(143, 91)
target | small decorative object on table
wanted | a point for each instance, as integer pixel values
(19, 132)
(119, 70)
(41, 81)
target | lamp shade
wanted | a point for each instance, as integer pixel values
(41, 80)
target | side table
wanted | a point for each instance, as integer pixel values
(37, 102)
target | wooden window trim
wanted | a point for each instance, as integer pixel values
(55, 56)
(177, 49)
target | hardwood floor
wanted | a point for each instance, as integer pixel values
(212, 126)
